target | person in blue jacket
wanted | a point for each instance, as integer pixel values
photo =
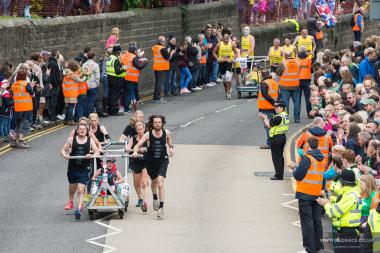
(367, 66)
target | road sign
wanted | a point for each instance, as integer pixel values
(375, 9)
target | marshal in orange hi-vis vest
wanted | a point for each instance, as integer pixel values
(22, 99)
(159, 62)
(290, 75)
(313, 181)
(305, 69)
(132, 74)
(69, 87)
(264, 104)
(325, 143)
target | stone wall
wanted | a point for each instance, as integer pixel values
(20, 37)
(265, 34)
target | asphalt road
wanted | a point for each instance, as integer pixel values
(33, 186)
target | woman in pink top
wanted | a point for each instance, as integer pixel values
(112, 40)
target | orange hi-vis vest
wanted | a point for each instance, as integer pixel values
(324, 144)
(305, 68)
(313, 181)
(22, 99)
(82, 87)
(319, 35)
(69, 87)
(356, 27)
(290, 76)
(264, 104)
(203, 59)
(132, 74)
(375, 200)
(159, 62)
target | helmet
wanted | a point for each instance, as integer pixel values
(280, 103)
(111, 159)
(116, 48)
(347, 177)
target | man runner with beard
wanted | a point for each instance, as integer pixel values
(157, 161)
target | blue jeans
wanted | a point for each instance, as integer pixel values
(212, 71)
(92, 96)
(185, 77)
(130, 94)
(170, 82)
(296, 98)
(4, 126)
(305, 88)
(195, 74)
(270, 115)
(69, 114)
(81, 107)
(202, 75)
(106, 90)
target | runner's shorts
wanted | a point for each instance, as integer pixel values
(226, 71)
(78, 176)
(137, 167)
(156, 169)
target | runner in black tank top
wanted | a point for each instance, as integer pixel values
(157, 159)
(79, 150)
(138, 166)
(78, 169)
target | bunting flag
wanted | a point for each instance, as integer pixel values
(325, 10)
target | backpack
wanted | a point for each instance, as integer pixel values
(352, 22)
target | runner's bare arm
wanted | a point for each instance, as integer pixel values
(314, 45)
(66, 148)
(236, 52)
(93, 137)
(215, 51)
(94, 146)
(252, 49)
(103, 130)
(141, 142)
(169, 141)
(128, 147)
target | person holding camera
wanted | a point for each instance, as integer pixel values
(309, 176)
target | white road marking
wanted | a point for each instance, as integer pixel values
(288, 194)
(297, 223)
(107, 248)
(193, 121)
(287, 204)
(224, 109)
(250, 100)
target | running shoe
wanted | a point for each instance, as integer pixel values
(218, 80)
(77, 215)
(211, 84)
(69, 205)
(160, 214)
(156, 204)
(140, 203)
(144, 207)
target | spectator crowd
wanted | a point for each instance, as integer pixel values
(47, 88)
(344, 142)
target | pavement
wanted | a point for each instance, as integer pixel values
(219, 196)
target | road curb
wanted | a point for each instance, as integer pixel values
(288, 151)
